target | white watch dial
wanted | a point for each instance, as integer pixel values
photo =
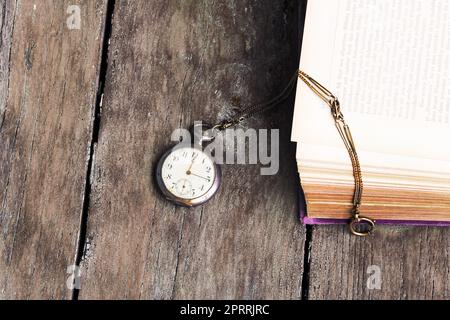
(188, 173)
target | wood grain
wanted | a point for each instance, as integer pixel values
(47, 93)
(170, 63)
(414, 263)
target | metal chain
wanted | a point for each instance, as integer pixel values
(347, 138)
(357, 220)
(251, 110)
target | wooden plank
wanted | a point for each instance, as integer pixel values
(170, 63)
(48, 90)
(7, 17)
(413, 263)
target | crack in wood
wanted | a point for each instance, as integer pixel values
(177, 263)
(82, 238)
(307, 263)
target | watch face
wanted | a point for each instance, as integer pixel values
(188, 176)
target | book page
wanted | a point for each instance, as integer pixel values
(388, 61)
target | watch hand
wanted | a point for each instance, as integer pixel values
(192, 163)
(196, 175)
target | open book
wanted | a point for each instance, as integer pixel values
(388, 62)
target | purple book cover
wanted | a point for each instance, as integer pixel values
(319, 221)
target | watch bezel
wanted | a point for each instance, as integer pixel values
(187, 202)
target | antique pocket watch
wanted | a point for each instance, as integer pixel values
(188, 176)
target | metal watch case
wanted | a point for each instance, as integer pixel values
(187, 202)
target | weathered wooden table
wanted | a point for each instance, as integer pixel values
(89, 93)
